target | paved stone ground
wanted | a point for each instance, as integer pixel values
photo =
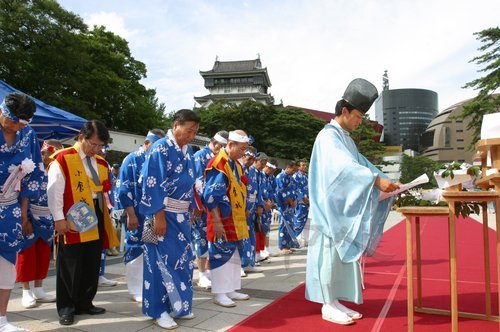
(280, 275)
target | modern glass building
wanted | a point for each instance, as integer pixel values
(405, 115)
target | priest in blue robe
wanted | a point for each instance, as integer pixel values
(347, 217)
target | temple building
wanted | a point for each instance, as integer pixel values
(236, 81)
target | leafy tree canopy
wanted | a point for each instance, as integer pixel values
(51, 54)
(365, 138)
(486, 101)
(280, 132)
(413, 167)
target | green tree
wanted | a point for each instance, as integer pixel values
(51, 54)
(280, 132)
(486, 101)
(365, 138)
(413, 167)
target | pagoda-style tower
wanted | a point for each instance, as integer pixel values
(236, 81)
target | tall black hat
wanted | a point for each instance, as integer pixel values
(361, 94)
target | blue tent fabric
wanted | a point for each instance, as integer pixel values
(49, 121)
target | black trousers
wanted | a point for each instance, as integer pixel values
(77, 271)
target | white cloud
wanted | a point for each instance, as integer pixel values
(113, 22)
(312, 49)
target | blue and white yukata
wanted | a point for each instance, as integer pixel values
(302, 209)
(347, 218)
(254, 199)
(268, 193)
(286, 188)
(25, 148)
(199, 231)
(167, 179)
(222, 254)
(128, 193)
(40, 217)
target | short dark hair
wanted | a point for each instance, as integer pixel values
(20, 105)
(291, 164)
(185, 115)
(341, 104)
(158, 132)
(95, 127)
(54, 142)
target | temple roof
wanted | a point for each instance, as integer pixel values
(236, 66)
(229, 68)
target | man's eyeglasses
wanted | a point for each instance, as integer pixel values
(95, 146)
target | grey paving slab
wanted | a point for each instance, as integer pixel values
(281, 275)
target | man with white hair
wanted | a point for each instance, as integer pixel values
(199, 229)
(127, 198)
(225, 197)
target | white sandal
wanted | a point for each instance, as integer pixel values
(334, 315)
(351, 313)
(166, 322)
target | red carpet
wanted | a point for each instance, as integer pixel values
(385, 280)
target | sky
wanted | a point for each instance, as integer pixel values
(312, 49)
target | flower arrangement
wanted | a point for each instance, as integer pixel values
(447, 175)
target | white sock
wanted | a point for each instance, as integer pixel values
(27, 292)
(38, 291)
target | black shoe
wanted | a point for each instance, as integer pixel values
(92, 311)
(66, 320)
(95, 311)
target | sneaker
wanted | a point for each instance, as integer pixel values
(243, 274)
(113, 252)
(204, 282)
(264, 254)
(238, 296)
(166, 322)
(224, 301)
(334, 315)
(28, 300)
(258, 257)
(252, 269)
(137, 298)
(185, 317)
(42, 297)
(7, 327)
(103, 282)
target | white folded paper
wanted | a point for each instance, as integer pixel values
(459, 176)
(404, 187)
(490, 127)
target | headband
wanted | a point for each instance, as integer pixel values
(270, 165)
(238, 138)
(249, 153)
(220, 139)
(8, 114)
